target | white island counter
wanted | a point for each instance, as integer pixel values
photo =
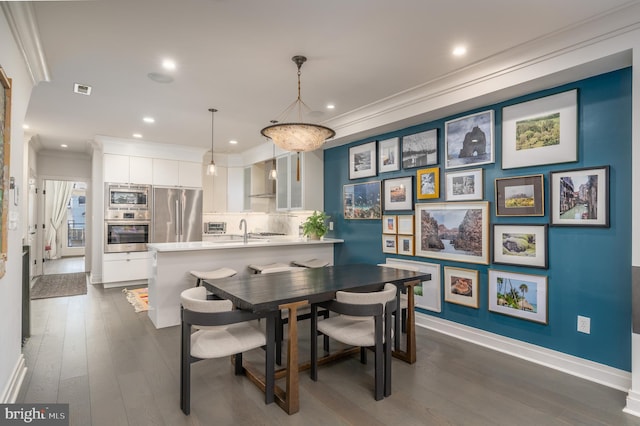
(171, 262)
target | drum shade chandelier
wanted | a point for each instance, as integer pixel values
(297, 136)
(211, 168)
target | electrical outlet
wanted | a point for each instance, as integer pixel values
(330, 226)
(584, 324)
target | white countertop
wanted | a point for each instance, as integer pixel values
(237, 244)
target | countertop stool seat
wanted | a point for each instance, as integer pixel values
(311, 263)
(214, 274)
(257, 269)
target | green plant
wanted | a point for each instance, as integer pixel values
(315, 224)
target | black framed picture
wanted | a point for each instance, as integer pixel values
(420, 149)
(520, 196)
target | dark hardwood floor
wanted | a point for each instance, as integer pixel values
(114, 368)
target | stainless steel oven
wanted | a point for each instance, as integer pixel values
(124, 236)
(119, 196)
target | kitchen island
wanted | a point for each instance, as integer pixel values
(171, 262)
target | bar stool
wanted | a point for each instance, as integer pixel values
(311, 263)
(257, 269)
(212, 275)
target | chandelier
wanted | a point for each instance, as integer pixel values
(298, 136)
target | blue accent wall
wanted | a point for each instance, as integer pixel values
(589, 270)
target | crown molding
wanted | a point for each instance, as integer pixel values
(22, 22)
(593, 47)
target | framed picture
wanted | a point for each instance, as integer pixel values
(522, 245)
(453, 231)
(389, 224)
(428, 183)
(518, 295)
(405, 224)
(362, 200)
(362, 160)
(420, 149)
(389, 155)
(405, 245)
(520, 196)
(5, 157)
(389, 244)
(542, 131)
(398, 193)
(466, 185)
(469, 140)
(461, 286)
(428, 294)
(580, 197)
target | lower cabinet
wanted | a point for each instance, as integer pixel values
(122, 267)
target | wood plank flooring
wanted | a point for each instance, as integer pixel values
(114, 368)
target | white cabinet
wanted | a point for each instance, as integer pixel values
(300, 181)
(246, 189)
(122, 267)
(177, 173)
(127, 169)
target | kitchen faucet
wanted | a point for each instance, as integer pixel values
(245, 229)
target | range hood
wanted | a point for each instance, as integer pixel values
(261, 185)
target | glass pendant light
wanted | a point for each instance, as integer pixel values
(211, 168)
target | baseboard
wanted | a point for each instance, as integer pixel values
(125, 283)
(589, 370)
(10, 392)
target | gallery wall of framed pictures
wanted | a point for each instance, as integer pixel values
(514, 216)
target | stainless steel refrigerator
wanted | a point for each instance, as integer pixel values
(177, 215)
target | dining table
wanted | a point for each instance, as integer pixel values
(268, 294)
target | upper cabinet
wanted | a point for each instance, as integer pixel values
(177, 173)
(127, 169)
(300, 181)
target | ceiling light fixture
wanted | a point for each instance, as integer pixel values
(233, 142)
(298, 136)
(64, 145)
(168, 64)
(459, 51)
(211, 168)
(137, 135)
(149, 120)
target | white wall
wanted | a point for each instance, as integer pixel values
(11, 360)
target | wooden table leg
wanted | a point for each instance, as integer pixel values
(409, 355)
(291, 403)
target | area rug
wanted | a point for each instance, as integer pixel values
(139, 298)
(59, 285)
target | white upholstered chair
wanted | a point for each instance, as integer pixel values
(364, 320)
(221, 332)
(214, 274)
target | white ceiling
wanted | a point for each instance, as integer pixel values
(235, 55)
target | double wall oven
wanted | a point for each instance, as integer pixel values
(127, 224)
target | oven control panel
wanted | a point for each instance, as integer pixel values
(127, 215)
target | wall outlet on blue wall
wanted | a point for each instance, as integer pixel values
(584, 324)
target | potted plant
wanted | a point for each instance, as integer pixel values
(314, 227)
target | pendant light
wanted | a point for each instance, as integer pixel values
(273, 173)
(298, 136)
(211, 168)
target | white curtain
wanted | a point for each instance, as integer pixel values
(60, 196)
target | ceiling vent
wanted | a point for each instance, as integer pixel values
(82, 89)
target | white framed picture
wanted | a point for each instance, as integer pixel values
(405, 245)
(469, 140)
(362, 160)
(405, 224)
(465, 185)
(389, 155)
(389, 243)
(428, 295)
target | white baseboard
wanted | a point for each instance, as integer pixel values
(125, 283)
(10, 392)
(589, 370)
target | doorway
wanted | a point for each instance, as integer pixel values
(64, 216)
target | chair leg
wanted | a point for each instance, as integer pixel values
(404, 321)
(238, 364)
(279, 338)
(198, 282)
(314, 343)
(363, 355)
(325, 315)
(185, 369)
(378, 366)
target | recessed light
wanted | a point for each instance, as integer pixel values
(82, 89)
(149, 120)
(25, 126)
(459, 51)
(137, 135)
(331, 106)
(168, 64)
(64, 145)
(232, 142)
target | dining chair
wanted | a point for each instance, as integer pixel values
(214, 274)
(311, 263)
(220, 332)
(364, 321)
(282, 319)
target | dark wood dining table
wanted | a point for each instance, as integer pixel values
(269, 293)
